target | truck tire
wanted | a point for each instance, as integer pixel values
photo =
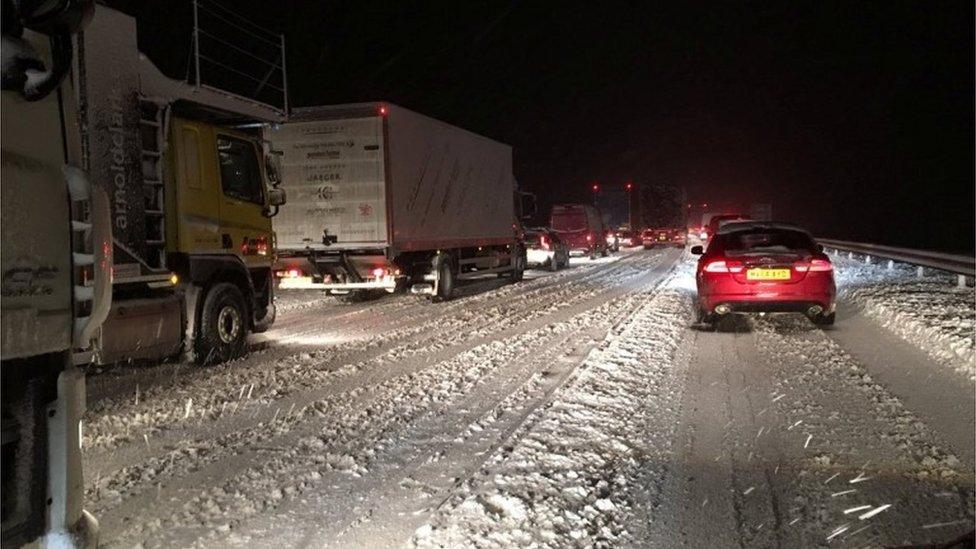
(263, 324)
(223, 325)
(518, 269)
(445, 286)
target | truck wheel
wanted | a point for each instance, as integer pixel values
(518, 269)
(445, 284)
(264, 324)
(604, 252)
(553, 263)
(223, 325)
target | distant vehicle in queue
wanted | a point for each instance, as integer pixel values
(679, 237)
(717, 220)
(662, 237)
(627, 237)
(754, 266)
(545, 249)
(613, 241)
(581, 227)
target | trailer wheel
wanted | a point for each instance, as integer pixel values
(223, 325)
(518, 268)
(445, 283)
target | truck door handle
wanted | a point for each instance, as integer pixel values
(226, 242)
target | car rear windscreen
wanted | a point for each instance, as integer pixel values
(569, 221)
(764, 241)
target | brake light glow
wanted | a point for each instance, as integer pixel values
(815, 265)
(589, 238)
(378, 272)
(722, 266)
(289, 273)
(544, 242)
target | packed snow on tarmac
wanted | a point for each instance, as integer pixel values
(577, 408)
(569, 479)
(931, 311)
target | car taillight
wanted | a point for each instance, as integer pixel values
(289, 273)
(722, 266)
(544, 242)
(589, 238)
(703, 235)
(815, 265)
(378, 272)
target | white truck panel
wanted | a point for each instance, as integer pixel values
(449, 187)
(444, 187)
(333, 172)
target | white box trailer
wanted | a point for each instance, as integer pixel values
(381, 197)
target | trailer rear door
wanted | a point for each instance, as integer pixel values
(334, 174)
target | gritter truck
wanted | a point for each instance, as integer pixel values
(382, 198)
(192, 193)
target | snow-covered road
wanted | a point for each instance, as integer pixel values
(576, 408)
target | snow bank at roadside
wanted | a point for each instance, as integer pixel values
(930, 312)
(570, 477)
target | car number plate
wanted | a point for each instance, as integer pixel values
(768, 274)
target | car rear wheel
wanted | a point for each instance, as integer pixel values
(823, 319)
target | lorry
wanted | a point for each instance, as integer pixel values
(56, 260)
(192, 192)
(581, 227)
(384, 199)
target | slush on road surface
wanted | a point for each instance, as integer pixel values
(577, 408)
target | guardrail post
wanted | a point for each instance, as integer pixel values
(867, 259)
(920, 272)
(961, 281)
(891, 264)
(850, 255)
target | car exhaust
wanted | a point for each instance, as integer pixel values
(814, 310)
(723, 309)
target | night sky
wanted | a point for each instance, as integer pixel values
(854, 119)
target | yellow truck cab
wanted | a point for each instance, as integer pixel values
(192, 194)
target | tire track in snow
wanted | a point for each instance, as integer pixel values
(110, 422)
(144, 482)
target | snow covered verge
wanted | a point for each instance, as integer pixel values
(571, 478)
(930, 312)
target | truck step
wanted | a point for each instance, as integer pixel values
(154, 212)
(152, 123)
(152, 182)
(155, 154)
(80, 226)
(83, 260)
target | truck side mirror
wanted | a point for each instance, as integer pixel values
(697, 250)
(276, 198)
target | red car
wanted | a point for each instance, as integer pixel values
(758, 266)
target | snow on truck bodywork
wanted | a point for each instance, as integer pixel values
(56, 285)
(377, 192)
(190, 202)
